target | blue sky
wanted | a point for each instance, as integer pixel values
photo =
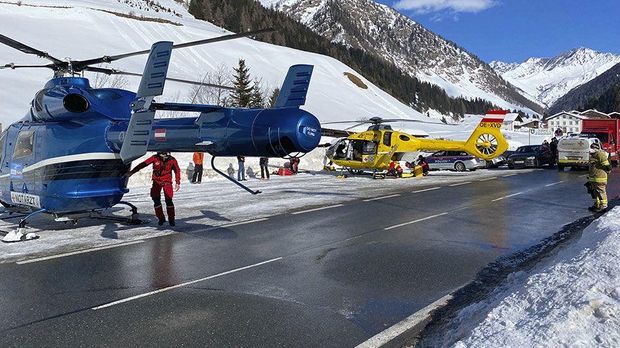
(514, 30)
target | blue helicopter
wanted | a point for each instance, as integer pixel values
(68, 157)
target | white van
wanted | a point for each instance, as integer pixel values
(574, 151)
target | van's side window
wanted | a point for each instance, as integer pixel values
(24, 145)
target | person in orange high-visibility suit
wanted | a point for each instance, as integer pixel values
(198, 160)
(163, 167)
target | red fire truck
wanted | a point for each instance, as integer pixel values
(607, 131)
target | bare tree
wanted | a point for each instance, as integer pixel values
(109, 81)
(211, 95)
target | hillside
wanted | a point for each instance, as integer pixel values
(548, 79)
(383, 32)
(601, 93)
(127, 25)
(244, 14)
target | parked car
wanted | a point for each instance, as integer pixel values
(531, 156)
(454, 160)
(499, 160)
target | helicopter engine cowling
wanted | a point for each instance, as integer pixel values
(59, 102)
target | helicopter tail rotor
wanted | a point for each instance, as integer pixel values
(487, 141)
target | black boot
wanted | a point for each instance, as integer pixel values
(170, 211)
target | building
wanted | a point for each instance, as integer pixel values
(593, 114)
(567, 121)
(532, 124)
(615, 115)
(512, 121)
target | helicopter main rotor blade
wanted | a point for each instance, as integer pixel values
(82, 64)
(119, 72)
(27, 49)
(13, 66)
(341, 122)
(409, 120)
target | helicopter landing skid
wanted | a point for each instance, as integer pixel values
(20, 234)
(132, 220)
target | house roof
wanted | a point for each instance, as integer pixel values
(513, 117)
(591, 113)
(568, 113)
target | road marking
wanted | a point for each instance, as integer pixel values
(512, 195)
(403, 326)
(487, 179)
(317, 209)
(427, 189)
(110, 304)
(379, 198)
(509, 175)
(414, 221)
(460, 183)
(554, 183)
(241, 223)
(78, 252)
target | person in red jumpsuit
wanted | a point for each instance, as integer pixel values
(163, 167)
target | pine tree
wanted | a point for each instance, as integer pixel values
(257, 100)
(242, 94)
(274, 97)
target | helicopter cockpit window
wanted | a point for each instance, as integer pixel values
(24, 145)
(358, 146)
(404, 137)
(370, 148)
(387, 138)
(341, 149)
(38, 100)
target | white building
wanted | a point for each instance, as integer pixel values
(512, 121)
(571, 121)
(567, 121)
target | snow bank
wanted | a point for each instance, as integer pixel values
(572, 299)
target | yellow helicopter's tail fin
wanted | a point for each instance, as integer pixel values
(487, 141)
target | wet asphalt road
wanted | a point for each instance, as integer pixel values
(329, 277)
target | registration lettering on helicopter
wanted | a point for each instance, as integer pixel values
(26, 199)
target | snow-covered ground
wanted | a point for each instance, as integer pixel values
(216, 202)
(571, 299)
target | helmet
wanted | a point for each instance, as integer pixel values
(595, 146)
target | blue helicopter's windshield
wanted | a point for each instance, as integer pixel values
(25, 144)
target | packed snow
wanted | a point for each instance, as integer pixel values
(571, 299)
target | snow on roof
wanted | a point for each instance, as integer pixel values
(568, 113)
(592, 113)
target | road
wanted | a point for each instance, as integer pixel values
(329, 276)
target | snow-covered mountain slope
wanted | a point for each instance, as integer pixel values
(415, 50)
(548, 79)
(83, 29)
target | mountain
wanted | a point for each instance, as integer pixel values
(109, 27)
(601, 93)
(548, 79)
(415, 50)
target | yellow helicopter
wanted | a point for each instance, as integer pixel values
(375, 148)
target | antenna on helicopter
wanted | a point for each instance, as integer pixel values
(72, 67)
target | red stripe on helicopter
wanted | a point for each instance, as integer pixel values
(492, 120)
(160, 135)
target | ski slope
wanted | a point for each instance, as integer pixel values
(81, 29)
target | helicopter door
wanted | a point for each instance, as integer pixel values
(23, 156)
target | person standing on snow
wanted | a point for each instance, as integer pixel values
(598, 169)
(198, 160)
(163, 167)
(241, 172)
(264, 168)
